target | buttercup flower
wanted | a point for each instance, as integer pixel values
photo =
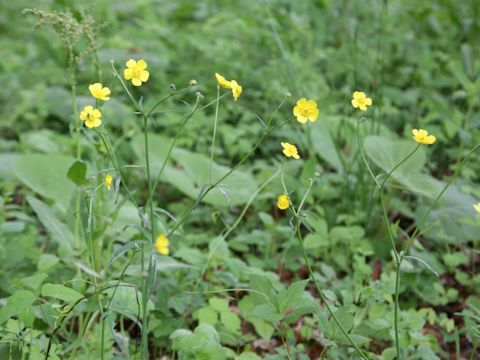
(236, 89)
(421, 136)
(91, 117)
(360, 100)
(108, 181)
(98, 92)
(305, 110)
(283, 202)
(136, 71)
(290, 150)
(161, 244)
(222, 81)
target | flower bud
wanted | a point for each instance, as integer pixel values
(193, 82)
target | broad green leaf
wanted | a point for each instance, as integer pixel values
(218, 304)
(20, 300)
(77, 172)
(61, 292)
(46, 261)
(58, 230)
(230, 320)
(388, 153)
(206, 315)
(248, 356)
(46, 174)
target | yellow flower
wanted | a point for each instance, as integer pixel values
(222, 81)
(421, 136)
(193, 82)
(305, 110)
(98, 92)
(236, 89)
(162, 244)
(290, 150)
(283, 202)
(108, 181)
(91, 117)
(136, 71)
(477, 207)
(360, 100)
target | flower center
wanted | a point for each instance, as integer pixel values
(305, 112)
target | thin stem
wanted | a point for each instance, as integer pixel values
(397, 309)
(214, 134)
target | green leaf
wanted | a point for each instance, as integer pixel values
(20, 300)
(46, 174)
(345, 318)
(287, 299)
(388, 153)
(455, 259)
(206, 315)
(77, 173)
(47, 261)
(218, 304)
(266, 312)
(34, 281)
(61, 292)
(248, 356)
(58, 230)
(230, 320)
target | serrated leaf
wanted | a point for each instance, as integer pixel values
(20, 300)
(287, 299)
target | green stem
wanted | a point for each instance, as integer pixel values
(214, 134)
(152, 227)
(397, 310)
(78, 152)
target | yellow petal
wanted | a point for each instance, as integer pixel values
(314, 116)
(127, 74)
(354, 103)
(141, 64)
(144, 75)
(136, 82)
(131, 63)
(301, 119)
